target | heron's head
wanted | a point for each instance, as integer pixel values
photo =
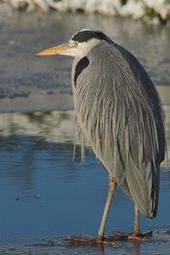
(78, 45)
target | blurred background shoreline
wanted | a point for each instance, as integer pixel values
(153, 11)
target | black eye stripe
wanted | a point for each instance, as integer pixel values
(83, 63)
(84, 36)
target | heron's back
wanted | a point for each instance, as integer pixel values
(119, 111)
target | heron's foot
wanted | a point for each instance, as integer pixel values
(110, 240)
(85, 240)
(118, 236)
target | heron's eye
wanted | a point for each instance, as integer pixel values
(76, 43)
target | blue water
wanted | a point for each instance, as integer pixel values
(44, 193)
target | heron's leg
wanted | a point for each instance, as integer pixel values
(136, 235)
(112, 188)
(137, 223)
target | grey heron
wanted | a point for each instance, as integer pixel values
(118, 110)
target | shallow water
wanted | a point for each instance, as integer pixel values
(46, 196)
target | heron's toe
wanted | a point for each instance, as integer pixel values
(118, 236)
(85, 240)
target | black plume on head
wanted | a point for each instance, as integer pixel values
(85, 35)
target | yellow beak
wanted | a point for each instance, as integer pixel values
(61, 49)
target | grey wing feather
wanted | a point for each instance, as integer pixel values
(119, 111)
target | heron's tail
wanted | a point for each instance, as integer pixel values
(145, 188)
